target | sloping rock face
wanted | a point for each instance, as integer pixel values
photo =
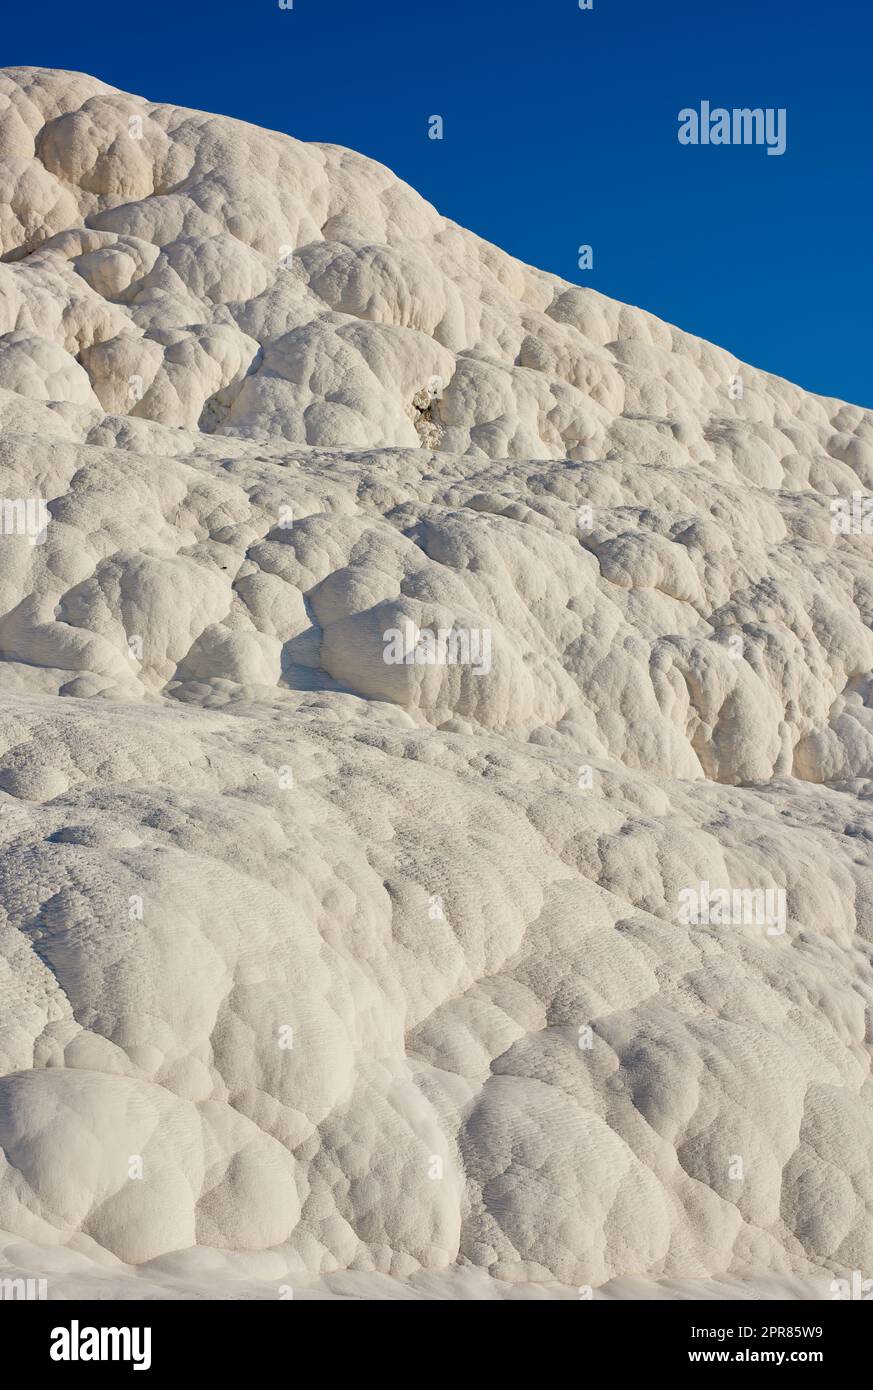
(435, 747)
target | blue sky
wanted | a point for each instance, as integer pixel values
(560, 129)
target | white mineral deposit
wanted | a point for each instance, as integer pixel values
(436, 751)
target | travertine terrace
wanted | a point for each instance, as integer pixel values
(316, 968)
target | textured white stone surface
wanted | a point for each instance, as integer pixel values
(277, 406)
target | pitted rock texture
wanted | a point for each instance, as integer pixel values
(312, 963)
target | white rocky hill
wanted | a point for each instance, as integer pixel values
(539, 960)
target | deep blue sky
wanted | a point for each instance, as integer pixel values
(560, 129)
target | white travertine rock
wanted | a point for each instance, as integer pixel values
(374, 975)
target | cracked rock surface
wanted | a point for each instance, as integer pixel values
(373, 978)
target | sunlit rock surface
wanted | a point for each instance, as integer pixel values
(371, 978)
